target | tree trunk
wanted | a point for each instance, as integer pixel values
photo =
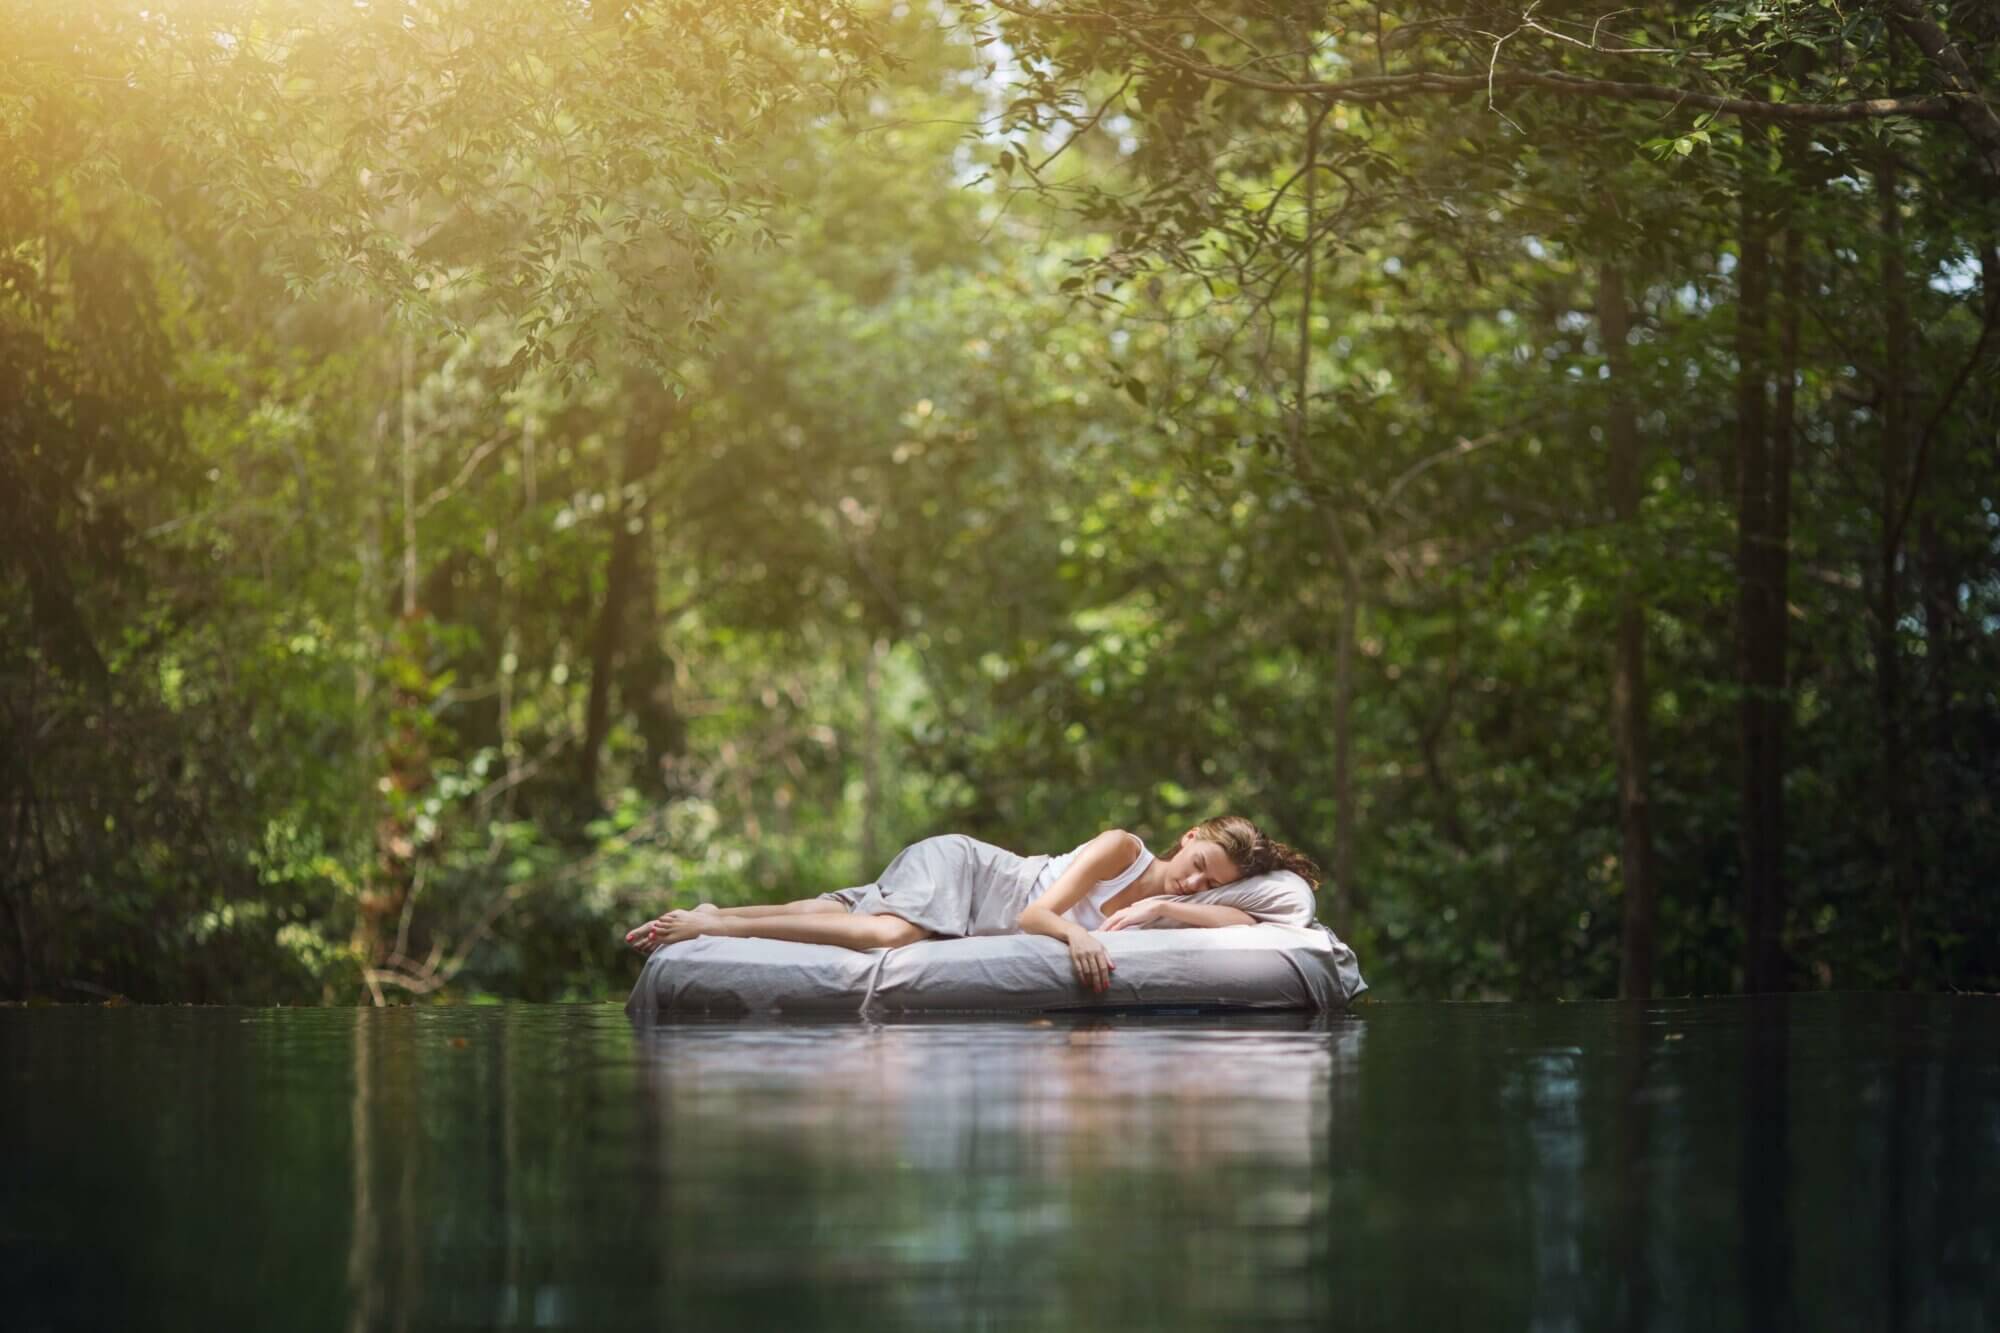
(1630, 701)
(1894, 801)
(1760, 606)
(1344, 898)
(871, 759)
(628, 530)
(1939, 579)
(645, 678)
(1753, 504)
(409, 487)
(1350, 580)
(406, 763)
(1778, 571)
(401, 664)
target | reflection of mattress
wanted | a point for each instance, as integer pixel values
(1262, 966)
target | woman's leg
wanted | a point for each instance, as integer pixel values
(848, 929)
(681, 916)
(803, 907)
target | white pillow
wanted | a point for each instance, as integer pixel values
(1280, 896)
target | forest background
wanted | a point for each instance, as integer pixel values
(476, 473)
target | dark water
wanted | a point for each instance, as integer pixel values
(1827, 1162)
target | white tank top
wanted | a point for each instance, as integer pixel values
(1085, 911)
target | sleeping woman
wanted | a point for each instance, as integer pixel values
(955, 885)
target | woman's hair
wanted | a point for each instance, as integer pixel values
(1254, 854)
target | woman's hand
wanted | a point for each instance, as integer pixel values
(673, 927)
(1093, 965)
(1146, 909)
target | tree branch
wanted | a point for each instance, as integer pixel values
(1463, 447)
(1970, 107)
(472, 462)
(1395, 87)
(1081, 130)
(1936, 419)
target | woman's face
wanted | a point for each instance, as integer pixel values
(1198, 864)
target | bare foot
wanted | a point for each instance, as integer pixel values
(687, 927)
(676, 914)
(675, 926)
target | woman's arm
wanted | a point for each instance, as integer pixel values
(1173, 909)
(1205, 914)
(1102, 857)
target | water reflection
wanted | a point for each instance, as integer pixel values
(1631, 1155)
(1814, 1162)
(1765, 1176)
(1053, 1174)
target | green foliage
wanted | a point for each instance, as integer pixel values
(473, 483)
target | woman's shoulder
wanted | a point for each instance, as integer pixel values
(1114, 846)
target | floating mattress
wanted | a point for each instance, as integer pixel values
(1286, 960)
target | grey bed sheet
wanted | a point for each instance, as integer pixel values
(1263, 966)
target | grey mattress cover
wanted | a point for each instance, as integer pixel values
(1266, 965)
